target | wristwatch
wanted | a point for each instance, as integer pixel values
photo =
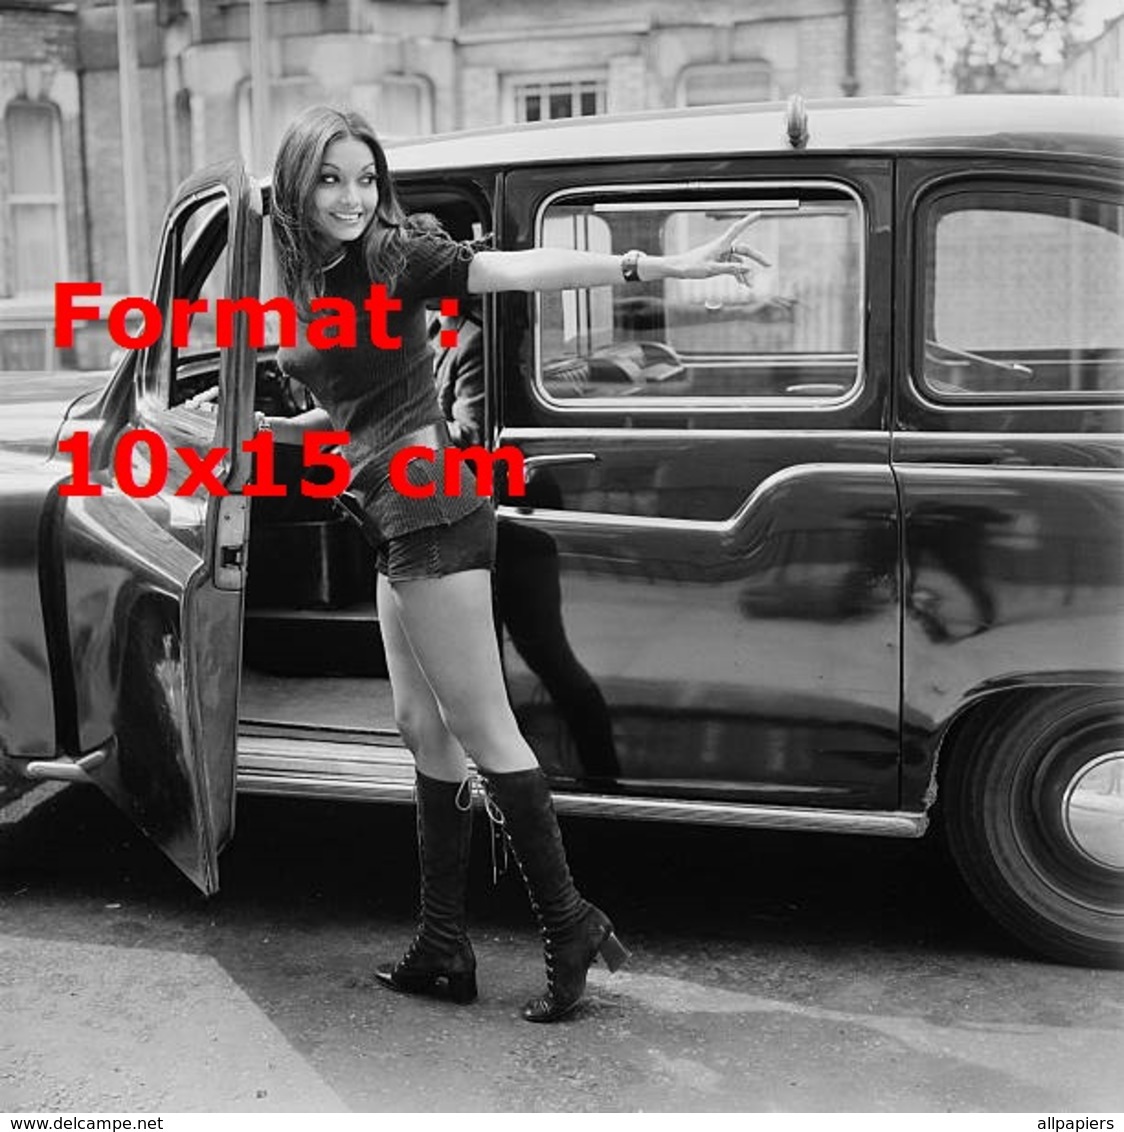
(630, 265)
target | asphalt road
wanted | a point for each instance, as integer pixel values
(771, 972)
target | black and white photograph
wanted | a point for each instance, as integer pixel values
(561, 558)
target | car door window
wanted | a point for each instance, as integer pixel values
(201, 335)
(1022, 296)
(793, 333)
(178, 392)
(182, 366)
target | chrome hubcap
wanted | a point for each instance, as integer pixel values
(1093, 810)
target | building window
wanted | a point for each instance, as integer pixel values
(35, 197)
(398, 106)
(719, 84)
(565, 98)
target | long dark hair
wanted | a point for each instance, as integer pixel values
(296, 172)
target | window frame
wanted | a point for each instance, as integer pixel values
(651, 406)
(184, 268)
(513, 83)
(926, 213)
(56, 199)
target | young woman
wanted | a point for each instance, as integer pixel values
(339, 227)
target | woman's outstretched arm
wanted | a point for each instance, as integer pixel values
(553, 269)
(291, 430)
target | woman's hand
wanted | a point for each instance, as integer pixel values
(291, 430)
(724, 255)
(207, 399)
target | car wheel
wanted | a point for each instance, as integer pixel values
(1034, 815)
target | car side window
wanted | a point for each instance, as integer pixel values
(793, 335)
(202, 330)
(183, 363)
(195, 376)
(1022, 294)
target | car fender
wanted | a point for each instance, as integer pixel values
(27, 694)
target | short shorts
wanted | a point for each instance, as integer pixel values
(432, 552)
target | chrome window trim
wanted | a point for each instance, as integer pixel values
(1009, 437)
(652, 405)
(972, 472)
(149, 388)
(516, 434)
(789, 205)
(721, 527)
(778, 361)
(991, 402)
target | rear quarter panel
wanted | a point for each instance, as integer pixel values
(1014, 577)
(1012, 510)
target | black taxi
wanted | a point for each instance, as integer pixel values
(841, 551)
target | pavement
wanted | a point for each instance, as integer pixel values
(771, 972)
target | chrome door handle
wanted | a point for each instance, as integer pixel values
(67, 770)
(532, 464)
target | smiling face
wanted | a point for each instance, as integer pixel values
(346, 194)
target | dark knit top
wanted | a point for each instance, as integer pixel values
(384, 397)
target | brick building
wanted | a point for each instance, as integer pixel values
(415, 66)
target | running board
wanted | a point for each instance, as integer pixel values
(324, 763)
(361, 766)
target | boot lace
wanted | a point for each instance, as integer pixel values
(478, 784)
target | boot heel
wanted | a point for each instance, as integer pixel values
(462, 987)
(614, 952)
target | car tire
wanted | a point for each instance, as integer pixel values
(1018, 796)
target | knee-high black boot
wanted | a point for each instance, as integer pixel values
(573, 930)
(440, 961)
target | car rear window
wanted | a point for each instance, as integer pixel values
(1022, 296)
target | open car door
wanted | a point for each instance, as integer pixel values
(144, 570)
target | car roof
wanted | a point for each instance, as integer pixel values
(1062, 124)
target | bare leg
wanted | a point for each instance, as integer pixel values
(418, 715)
(449, 627)
(440, 961)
